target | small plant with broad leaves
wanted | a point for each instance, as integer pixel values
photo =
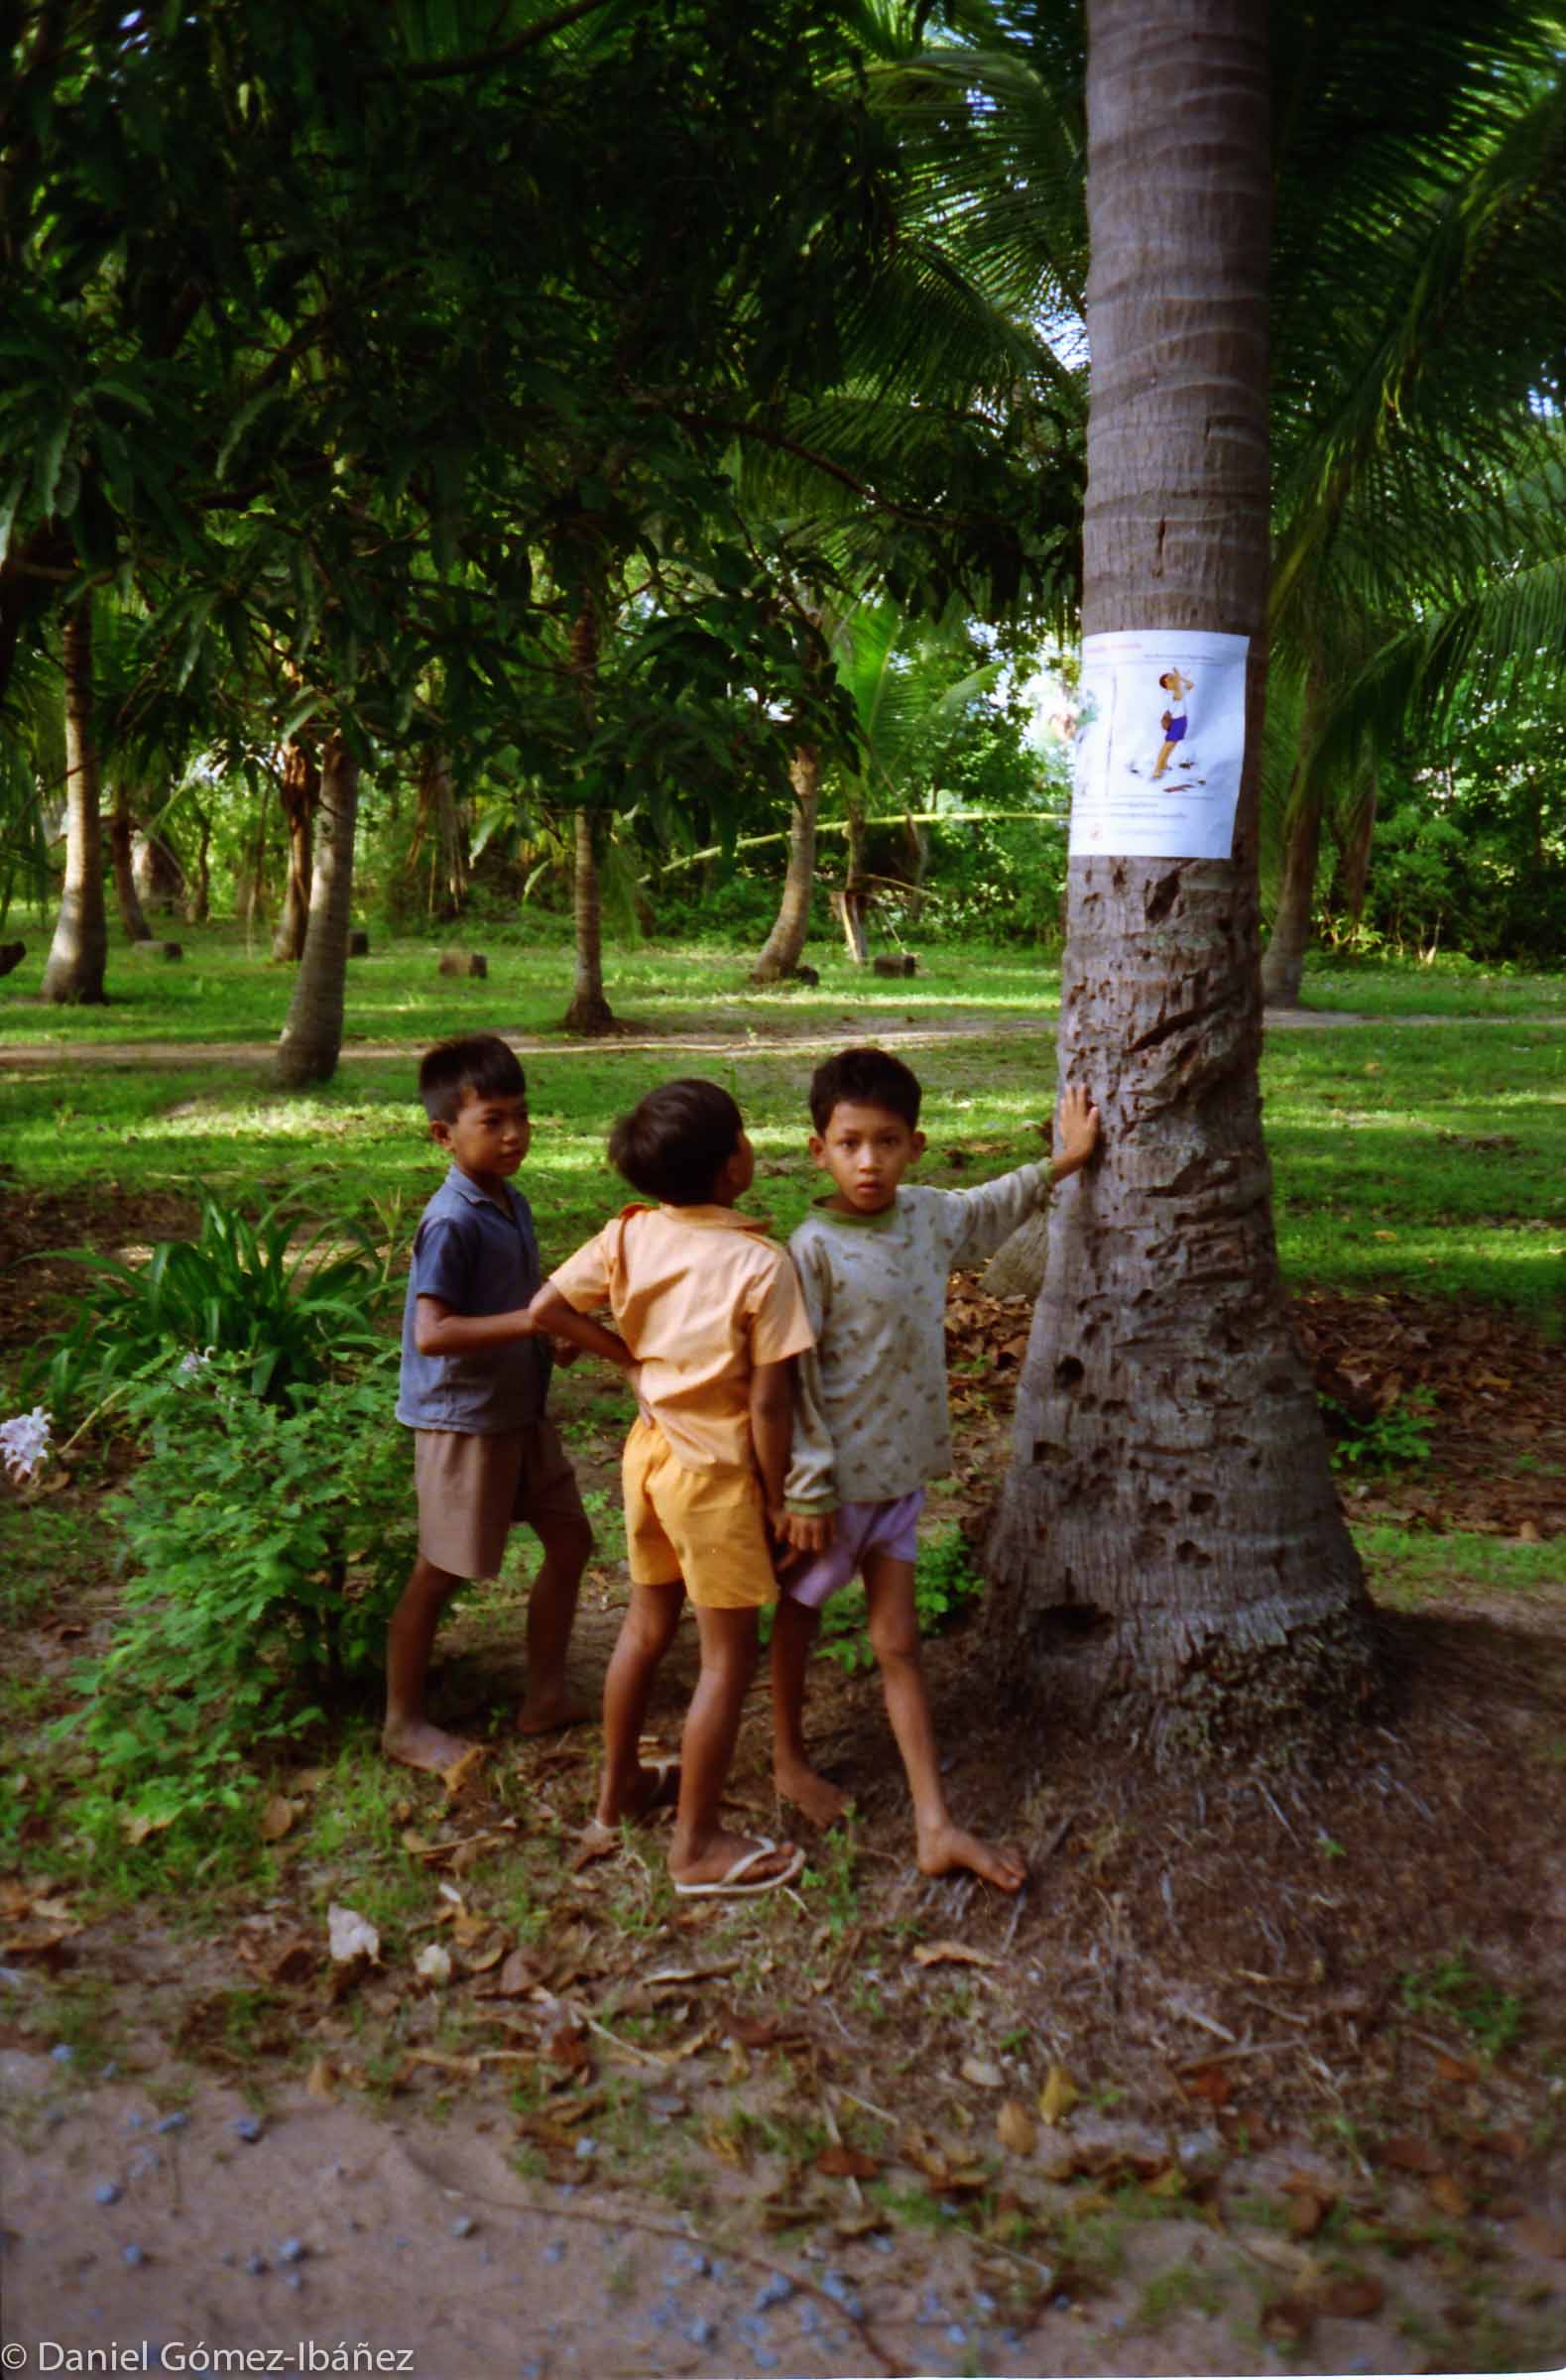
(268, 1540)
(282, 1293)
(1400, 1435)
(945, 1580)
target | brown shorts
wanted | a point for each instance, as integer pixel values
(706, 1528)
(472, 1487)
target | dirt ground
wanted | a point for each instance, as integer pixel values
(1261, 2072)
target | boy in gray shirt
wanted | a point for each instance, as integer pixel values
(871, 1420)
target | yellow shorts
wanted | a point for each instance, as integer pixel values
(705, 1528)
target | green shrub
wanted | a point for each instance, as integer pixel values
(267, 1546)
(283, 1304)
(944, 1580)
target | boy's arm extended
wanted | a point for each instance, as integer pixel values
(439, 1329)
(772, 1430)
(983, 1219)
(551, 1312)
(810, 1490)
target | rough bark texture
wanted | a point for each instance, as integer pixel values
(122, 838)
(299, 790)
(78, 955)
(782, 949)
(313, 1033)
(1168, 1550)
(589, 1012)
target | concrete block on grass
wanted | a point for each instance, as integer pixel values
(464, 962)
(895, 962)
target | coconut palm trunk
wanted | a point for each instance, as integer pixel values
(589, 1012)
(1354, 867)
(122, 837)
(1168, 1548)
(299, 790)
(780, 952)
(1283, 963)
(312, 1033)
(78, 954)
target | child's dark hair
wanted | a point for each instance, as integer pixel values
(478, 1065)
(867, 1078)
(675, 1141)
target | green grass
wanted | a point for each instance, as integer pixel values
(1450, 986)
(225, 992)
(1429, 1156)
(1417, 1570)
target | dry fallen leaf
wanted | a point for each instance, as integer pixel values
(321, 2080)
(1410, 2154)
(1447, 2192)
(139, 1826)
(957, 1954)
(433, 1964)
(1306, 2215)
(1354, 2298)
(1058, 2097)
(1540, 2236)
(277, 1818)
(1288, 2319)
(847, 2164)
(982, 2072)
(350, 1936)
(1015, 2130)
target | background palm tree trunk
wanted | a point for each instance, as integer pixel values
(299, 790)
(1168, 1549)
(79, 952)
(1284, 965)
(780, 954)
(589, 1012)
(312, 1033)
(122, 836)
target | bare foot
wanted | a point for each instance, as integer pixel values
(541, 1714)
(417, 1744)
(656, 1787)
(818, 1800)
(723, 1854)
(948, 1846)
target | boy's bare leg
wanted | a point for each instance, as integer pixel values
(895, 1634)
(407, 1734)
(551, 1606)
(702, 1852)
(627, 1789)
(794, 1628)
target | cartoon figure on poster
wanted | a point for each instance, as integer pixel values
(1172, 721)
(1161, 744)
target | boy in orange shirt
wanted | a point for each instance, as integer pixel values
(709, 1318)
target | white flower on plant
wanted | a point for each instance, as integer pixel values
(24, 1443)
(191, 1364)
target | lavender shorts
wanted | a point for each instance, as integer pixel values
(890, 1528)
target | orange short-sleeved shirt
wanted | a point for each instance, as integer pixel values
(701, 1296)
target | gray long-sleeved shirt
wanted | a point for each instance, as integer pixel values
(870, 1419)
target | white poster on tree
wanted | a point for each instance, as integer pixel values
(1161, 743)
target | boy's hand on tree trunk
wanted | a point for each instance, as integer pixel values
(1077, 1122)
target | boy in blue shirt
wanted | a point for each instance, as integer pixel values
(474, 1378)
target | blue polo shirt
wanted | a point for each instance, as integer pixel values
(477, 1257)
